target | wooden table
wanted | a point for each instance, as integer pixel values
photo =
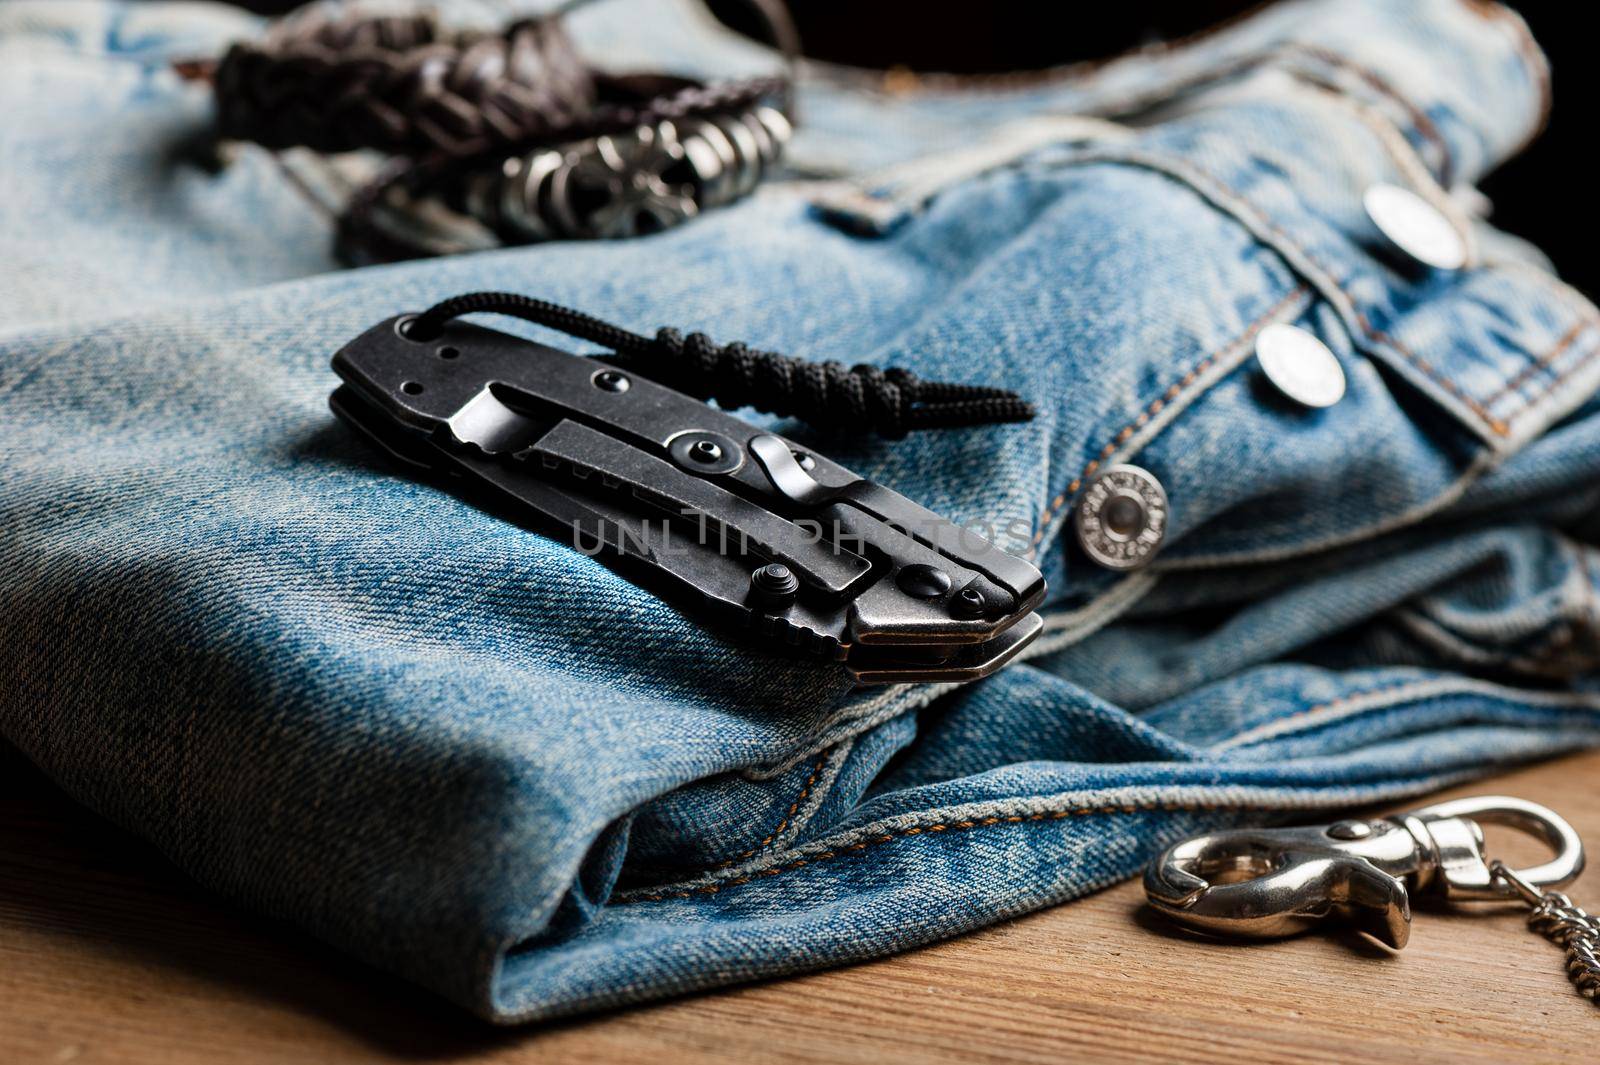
(108, 955)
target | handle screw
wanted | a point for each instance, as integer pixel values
(706, 451)
(968, 603)
(774, 585)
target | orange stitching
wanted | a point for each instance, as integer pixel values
(1532, 368)
(1151, 411)
(794, 807)
(1539, 397)
(1499, 427)
(984, 822)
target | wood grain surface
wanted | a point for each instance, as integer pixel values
(108, 955)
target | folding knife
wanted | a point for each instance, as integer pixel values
(732, 522)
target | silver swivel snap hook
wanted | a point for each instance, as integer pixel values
(1265, 883)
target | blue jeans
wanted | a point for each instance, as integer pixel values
(469, 754)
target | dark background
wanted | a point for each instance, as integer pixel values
(1545, 194)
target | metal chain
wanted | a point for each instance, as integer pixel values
(1554, 916)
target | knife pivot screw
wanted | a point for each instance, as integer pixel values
(612, 381)
(774, 585)
(968, 603)
(705, 453)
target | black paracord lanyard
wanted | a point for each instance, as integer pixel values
(827, 395)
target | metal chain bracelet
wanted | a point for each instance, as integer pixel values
(650, 178)
(511, 133)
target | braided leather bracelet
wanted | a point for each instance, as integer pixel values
(402, 85)
(512, 129)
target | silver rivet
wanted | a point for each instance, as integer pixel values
(1122, 518)
(1416, 226)
(1299, 365)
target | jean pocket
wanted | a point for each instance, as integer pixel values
(1442, 374)
(1446, 372)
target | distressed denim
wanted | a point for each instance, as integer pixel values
(467, 753)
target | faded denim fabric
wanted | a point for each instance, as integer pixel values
(469, 754)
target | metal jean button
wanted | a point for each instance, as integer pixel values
(1415, 226)
(1300, 366)
(1122, 518)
